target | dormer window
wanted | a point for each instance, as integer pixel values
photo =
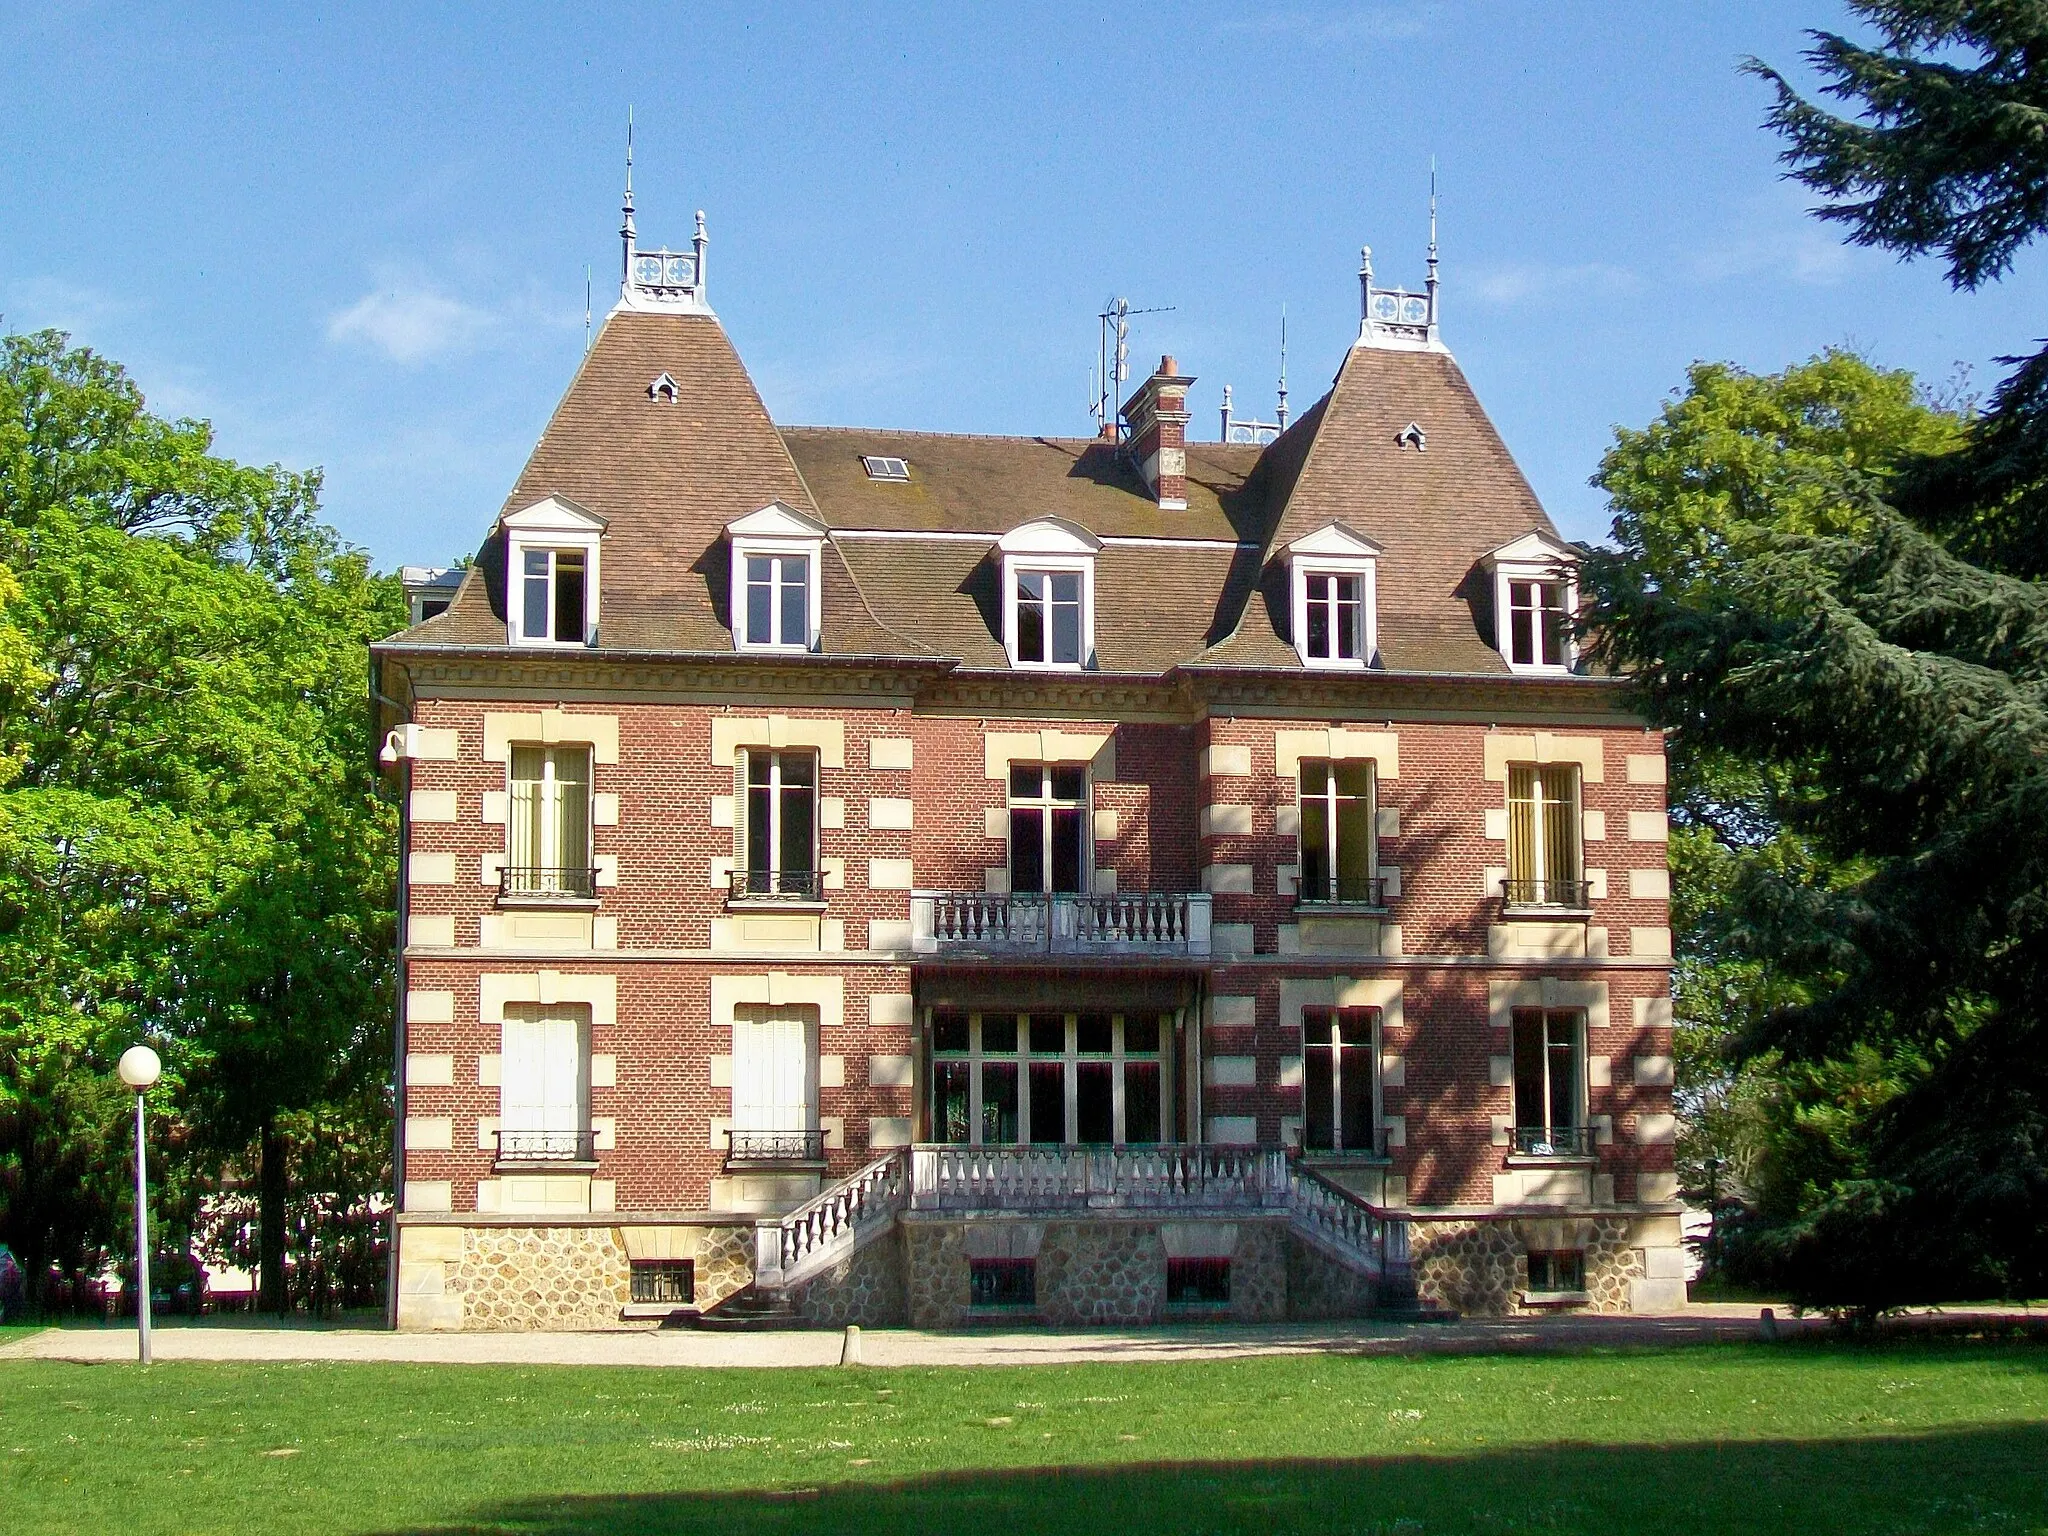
(663, 390)
(777, 553)
(1535, 598)
(551, 567)
(1049, 594)
(1333, 574)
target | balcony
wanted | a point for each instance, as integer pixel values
(1551, 1141)
(1068, 925)
(1342, 894)
(546, 885)
(1030, 1179)
(761, 1149)
(546, 1148)
(1546, 898)
(776, 888)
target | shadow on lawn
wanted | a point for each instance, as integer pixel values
(1981, 1479)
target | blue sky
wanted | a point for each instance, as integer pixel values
(357, 238)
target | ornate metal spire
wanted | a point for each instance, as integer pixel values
(661, 280)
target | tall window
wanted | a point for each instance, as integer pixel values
(774, 1074)
(1544, 850)
(1549, 1061)
(544, 1085)
(1338, 836)
(1049, 618)
(551, 596)
(1539, 624)
(778, 601)
(1336, 616)
(777, 824)
(1050, 1079)
(1337, 1079)
(549, 852)
(1048, 827)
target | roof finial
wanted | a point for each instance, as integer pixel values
(1432, 281)
(1281, 414)
(1365, 282)
(626, 231)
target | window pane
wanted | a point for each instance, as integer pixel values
(949, 1032)
(1141, 1034)
(798, 845)
(1317, 1027)
(1027, 849)
(1564, 1070)
(1354, 1026)
(524, 846)
(1066, 587)
(1315, 850)
(760, 602)
(999, 1032)
(1048, 1100)
(1529, 1097)
(1560, 790)
(1521, 619)
(949, 1101)
(760, 841)
(1318, 1120)
(569, 622)
(1355, 1089)
(1066, 783)
(998, 1102)
(1048, 1034)
(1554, 625)
(1095, 1103)
(533, 620)
(1141, 1101)
(1066, 633)
(1026, 781)
(1067, 832)
(1522, 865)
(1354, 849)
(796, 628)
(1091, 1034)
(1030, 616)
(572, 812)
(799, 768)
(1318, 627)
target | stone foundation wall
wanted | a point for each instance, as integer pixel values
(869, 1288)
(1319, 1288)
(725, 1263)
(1481, 1268)
(935, 1261)
(527, 1278)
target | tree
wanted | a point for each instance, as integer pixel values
(191, 843)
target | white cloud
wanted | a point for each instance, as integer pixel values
(1516, 282)
(1802, 254)
(411, 323)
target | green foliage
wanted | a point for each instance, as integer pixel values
(192, 845)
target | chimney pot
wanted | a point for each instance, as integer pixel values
(1166, 366)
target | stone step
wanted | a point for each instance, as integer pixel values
(749, 1311)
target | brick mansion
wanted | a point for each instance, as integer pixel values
(863, 876)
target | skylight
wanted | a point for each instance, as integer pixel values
(884, 469)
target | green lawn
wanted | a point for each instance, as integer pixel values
(1796, 1437)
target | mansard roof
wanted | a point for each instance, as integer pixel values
(911, 567)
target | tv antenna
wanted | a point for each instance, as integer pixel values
(586, 308)
(1113, 363)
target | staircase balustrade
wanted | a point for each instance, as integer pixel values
(799, 1244)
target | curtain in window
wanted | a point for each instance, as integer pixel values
(542, 1074)
(771, 1071)
(550, 809)
(1543, 832)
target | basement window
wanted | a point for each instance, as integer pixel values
(881, 468)
(1197, 1282)
(1002, 1282)
(661, 1280)
(1557, 1272)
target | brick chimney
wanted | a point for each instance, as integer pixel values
(1158, 414)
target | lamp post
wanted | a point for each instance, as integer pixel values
(140, 1069)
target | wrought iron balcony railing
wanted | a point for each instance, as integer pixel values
(755, 1147)
(547, 1147)
(777, 885)
(1551, 1141)
(544, 882)
(1558, 895)
(1342, 891)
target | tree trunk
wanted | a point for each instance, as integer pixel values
(270, 1198)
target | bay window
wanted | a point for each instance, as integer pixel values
(775, 825)
(1545, 851)
(548, 850)
(1549, 1072)
(1049, 842)
(1339, 836)
(1337, 1079)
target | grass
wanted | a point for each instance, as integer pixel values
(1905, 1438)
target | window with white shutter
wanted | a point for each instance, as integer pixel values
(544, 1092)
(774, 1085)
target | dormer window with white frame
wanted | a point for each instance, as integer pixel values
(1333, 581)
(1048, 574)
(551, 570)
(1535, 600)
(777, 556)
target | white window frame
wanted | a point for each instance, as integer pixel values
(551, 789)
(1329, 798)
(742, 843)
(1534, 557)
(1052, 546)
(1344, 1144)
(1045, 805)
(554, 526)
(1581, 1097)
(758, 1025)
(1540, 874)
(1120, 1058)
(571, 1118)
(1335, 550)
(777, 529)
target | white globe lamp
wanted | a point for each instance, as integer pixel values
(140, 1068)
